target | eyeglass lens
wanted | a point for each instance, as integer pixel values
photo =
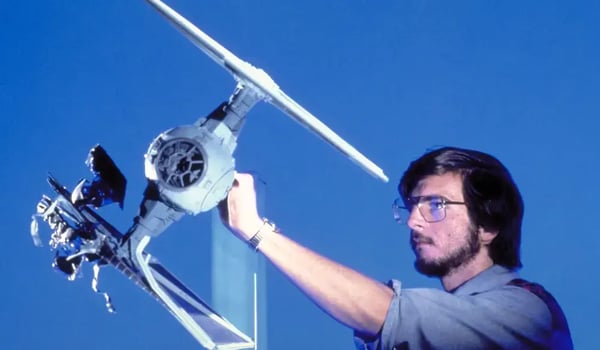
(431, 208)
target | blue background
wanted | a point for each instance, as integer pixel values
(518, 79)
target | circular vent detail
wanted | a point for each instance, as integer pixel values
(180, 163)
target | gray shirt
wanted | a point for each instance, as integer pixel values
(483, 313)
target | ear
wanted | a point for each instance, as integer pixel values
(486, 237)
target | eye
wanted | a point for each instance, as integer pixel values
(437, 204)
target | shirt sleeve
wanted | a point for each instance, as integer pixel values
(507, 317)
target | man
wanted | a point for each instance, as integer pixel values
(464, 212)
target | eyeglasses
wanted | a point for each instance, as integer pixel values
(432, 208)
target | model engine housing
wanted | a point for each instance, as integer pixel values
(192, 167)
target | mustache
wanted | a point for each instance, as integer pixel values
(417, 238)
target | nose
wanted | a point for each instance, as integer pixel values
(415, 221)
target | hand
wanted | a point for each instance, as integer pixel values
(238, 211)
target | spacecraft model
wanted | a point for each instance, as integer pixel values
(189, 169)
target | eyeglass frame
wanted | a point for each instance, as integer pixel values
(398, 205)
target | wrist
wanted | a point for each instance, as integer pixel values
(266, 229)
(245, 229)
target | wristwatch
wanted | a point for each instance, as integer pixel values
(267, 228)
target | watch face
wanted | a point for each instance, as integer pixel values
(180, 163)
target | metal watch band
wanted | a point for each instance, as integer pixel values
(266, 228)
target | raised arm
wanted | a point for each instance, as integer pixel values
(350, 297)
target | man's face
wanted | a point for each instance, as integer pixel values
(442, 246)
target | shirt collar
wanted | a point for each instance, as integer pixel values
(490, 278)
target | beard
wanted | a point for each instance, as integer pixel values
(443, 266)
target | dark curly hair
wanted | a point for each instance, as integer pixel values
(493, 199)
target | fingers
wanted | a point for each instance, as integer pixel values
(244, 179)
(236, 203)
